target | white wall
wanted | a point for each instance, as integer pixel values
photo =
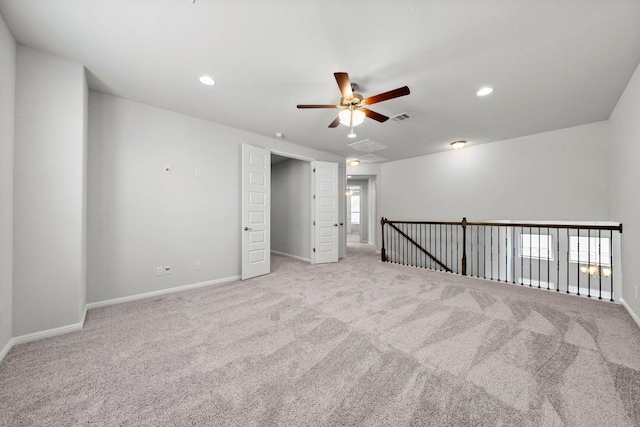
(625, 190)
(140, 217)
(291, 208)
(559, 175)
(48, 192)
(7, 118)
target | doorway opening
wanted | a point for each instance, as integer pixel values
(290, 207)
(354, 202)
(305, 209)
(362, 209)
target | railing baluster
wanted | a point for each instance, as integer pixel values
(513, 255)
(446, 244)
(441, 245)
(406, 245)
(558, 259)
(421, 254)
(539, 259)
(578, 271)
(471, 250)
(457, 250)
(600, 264)
(589, 263)
(568, 249)
(491, 254)
(611, 264)
(522, 255)
(395, 248)
(506, 255)
(548, 259)
(484, 249)
(530, 257)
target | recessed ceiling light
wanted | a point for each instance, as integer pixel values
(484, 91)
(458, 144)
(348, 176)
(279, 135)
(206, 80)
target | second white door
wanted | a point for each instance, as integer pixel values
(326, 229)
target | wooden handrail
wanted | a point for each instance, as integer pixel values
(570, 226)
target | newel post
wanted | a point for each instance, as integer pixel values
(383, 256)
(464, 246)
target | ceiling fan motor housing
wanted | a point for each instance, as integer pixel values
(356, 101)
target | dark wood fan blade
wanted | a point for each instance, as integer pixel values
(344, 84)
(396, 93)
(335, 123)
(375, 116)
(318, 106)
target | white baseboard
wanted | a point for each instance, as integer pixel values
(291, 256)
(631, 313)
(48, 333)
(105, 303)
(78, 326)
(84, 315)
(6, 349)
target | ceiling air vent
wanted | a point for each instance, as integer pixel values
(371, 158)
(368, 146)
(400, 117)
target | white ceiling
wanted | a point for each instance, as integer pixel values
(553, 63)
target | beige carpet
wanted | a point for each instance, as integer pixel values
(357, 343)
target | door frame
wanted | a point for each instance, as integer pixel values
(341, 188)
(310, 160)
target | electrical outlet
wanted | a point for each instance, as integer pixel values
(159, 271)
(198, 172)
(167, 269)
(198, 265)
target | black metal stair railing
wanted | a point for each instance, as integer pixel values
(572, 258)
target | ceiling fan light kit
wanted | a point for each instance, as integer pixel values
(351, 117)
(354, 106)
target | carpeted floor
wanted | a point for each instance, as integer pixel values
(354, 343)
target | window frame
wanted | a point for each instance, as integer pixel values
(549, 249)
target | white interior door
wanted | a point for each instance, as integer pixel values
(326, 238)
(256, 207)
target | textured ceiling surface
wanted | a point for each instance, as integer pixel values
(553, 64)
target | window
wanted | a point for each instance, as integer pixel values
(536, 246)
(355, 204)
(593, 250)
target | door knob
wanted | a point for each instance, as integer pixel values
(247, 229)
(335, 225)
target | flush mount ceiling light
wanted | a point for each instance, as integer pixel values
(458, 144)
(484, 91)
(207, 80)
(354, 162)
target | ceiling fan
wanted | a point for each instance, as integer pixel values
(354, 106)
